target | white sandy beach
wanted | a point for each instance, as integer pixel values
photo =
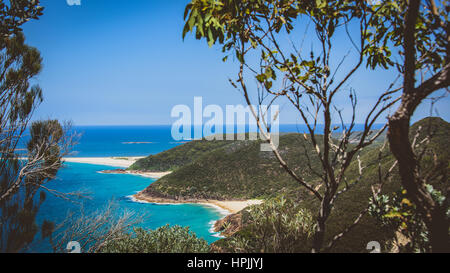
(232, 206)
(122, 162)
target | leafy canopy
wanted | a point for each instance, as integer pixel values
(229, 22)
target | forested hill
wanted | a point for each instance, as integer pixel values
(177, 157)
(239, 170)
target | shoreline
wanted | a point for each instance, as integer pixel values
(153, 175)
(230, 206)
(122, 162)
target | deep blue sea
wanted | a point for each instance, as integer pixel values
(108, 141)
(104, 141)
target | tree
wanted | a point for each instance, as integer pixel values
(16, 13)
(22, 179)
(23, 172)
(276, 226)
(424, 36)
(311, 82)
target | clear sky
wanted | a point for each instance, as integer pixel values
(122, 62)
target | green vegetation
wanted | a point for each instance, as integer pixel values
(165, 239)
(277, 226)
(238, 170)
(398, 213)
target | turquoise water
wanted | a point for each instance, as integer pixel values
(103, 188)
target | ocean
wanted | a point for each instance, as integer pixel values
(116, 141)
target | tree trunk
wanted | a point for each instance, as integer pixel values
(398, 135)
(319, 235)
(434, 215)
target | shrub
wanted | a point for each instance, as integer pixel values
(165, 239)
(277, 226)
(399, 213)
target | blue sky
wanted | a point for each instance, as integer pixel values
(124, 62)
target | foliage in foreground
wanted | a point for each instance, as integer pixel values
(399, 213)
(24, 169)
(91, 230)
(277, 226)
(165, 239)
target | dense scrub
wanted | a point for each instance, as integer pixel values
(165, 239)
(350, 204)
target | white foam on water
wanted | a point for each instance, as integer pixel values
(223, 212)
(134, 199)
(211, 230)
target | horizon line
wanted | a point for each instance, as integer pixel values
(130, 125)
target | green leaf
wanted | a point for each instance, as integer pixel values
(261, 78)
(211, 39)
(186, 10)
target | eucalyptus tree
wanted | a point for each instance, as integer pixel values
(312, 80)
(421, 30)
